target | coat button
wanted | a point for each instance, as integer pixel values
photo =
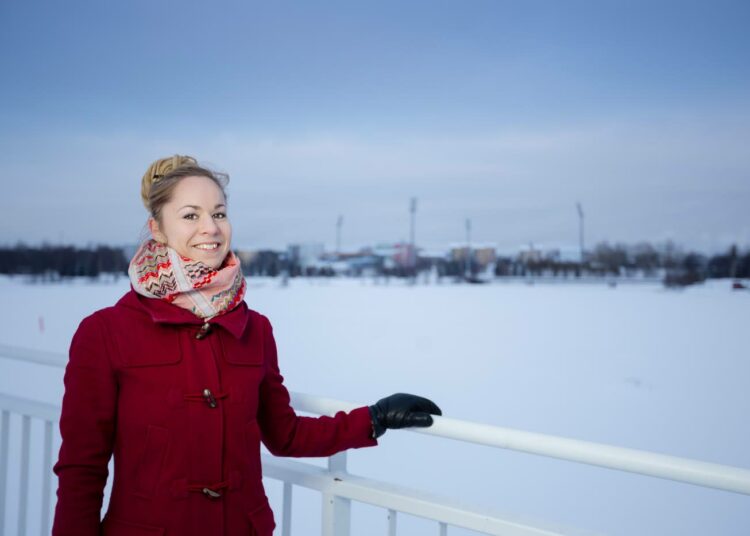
(211, 493)
(210, 398)
(205, 330)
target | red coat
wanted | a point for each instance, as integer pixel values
(183, 410)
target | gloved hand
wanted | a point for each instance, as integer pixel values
(401, 410)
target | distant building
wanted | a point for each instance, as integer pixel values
(528, 254)
(485, 255)
(405, 256)
(306, 254)
(569, 254)
(481, 254)
(399, 255)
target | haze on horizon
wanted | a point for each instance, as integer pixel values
(507, 113)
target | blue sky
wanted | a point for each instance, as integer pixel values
(504, 112)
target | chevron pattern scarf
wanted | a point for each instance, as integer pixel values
(158, 271)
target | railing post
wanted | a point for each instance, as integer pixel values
(23, 491)
(336, 510)
(286, 510)
(4, 437)
(47, 479)
(392, 522)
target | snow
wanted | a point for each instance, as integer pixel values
(634, 365)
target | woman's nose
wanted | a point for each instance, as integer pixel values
(209, 226)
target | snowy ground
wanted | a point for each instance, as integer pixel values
(636, 365)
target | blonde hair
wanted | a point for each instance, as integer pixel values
(163, 175)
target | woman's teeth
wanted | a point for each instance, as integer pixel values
(207, 246)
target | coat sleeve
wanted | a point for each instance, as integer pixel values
(286, 434)
(87, 425)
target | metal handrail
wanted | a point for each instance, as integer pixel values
(30, 355)
(700, 473)
(711, 475)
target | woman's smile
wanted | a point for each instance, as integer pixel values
(207, 246)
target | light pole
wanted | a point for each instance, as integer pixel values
(413, 246)
(580, 228)
(339, 223)
(467, 264)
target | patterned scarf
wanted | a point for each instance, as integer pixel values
(158, 271)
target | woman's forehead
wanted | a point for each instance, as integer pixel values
(197, 190)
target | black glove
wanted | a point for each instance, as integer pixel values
(401, 411)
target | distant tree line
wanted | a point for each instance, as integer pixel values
(51, 263)
(672, 259)
(678, 267)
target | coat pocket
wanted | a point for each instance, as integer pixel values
(117, 527)
(149, 467)
(261, 521)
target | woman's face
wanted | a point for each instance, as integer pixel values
(194, 222)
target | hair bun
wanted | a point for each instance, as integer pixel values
(158, 169)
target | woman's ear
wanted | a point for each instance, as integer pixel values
(156, 233)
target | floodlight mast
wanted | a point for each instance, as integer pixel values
(580, 229)
(467, 263)
(413, 213)
(339, 224)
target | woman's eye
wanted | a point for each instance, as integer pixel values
(190, 216)
(220, 215)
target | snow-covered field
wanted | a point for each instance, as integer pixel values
(635, 365)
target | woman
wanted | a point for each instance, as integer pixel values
(180, 382)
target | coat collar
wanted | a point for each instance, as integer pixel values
(162, 312)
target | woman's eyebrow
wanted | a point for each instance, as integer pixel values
(196, 207)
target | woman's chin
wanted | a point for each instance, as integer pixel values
(217, 261)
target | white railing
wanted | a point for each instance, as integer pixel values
(27, 410)
(339, 488)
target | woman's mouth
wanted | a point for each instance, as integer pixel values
(207, 246)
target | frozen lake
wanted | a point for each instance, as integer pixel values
(635, 365)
